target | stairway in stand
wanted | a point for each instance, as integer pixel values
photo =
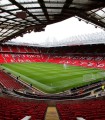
(51, 114)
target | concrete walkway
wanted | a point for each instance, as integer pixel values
(51, 114)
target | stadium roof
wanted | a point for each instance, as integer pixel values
(84, 39)
(18, 17)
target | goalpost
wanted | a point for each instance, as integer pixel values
(65, 64)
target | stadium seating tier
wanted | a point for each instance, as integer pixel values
(16, 110)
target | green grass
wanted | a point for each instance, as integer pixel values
(53, 78)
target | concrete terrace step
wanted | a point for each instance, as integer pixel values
(51, 114)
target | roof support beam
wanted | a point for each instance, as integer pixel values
(86, 16)
(13, 19)
(24, 9)
(12, 28)
(9, 37)
(66, 5)
(42, 4)
(35, 2)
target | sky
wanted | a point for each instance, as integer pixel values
(58, 32)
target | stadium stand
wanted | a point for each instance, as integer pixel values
(89, 110)
(9, 82)
(5, 49)
(29, 50)
(17, 109)
(2, 59)
(22, 49)
(14, 49)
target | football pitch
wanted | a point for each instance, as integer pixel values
(54, 78)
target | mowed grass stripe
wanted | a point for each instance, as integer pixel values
(48, 72)
(52, 67)
(43, 78)
(52, 75)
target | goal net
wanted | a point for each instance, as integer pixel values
(89, 77)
